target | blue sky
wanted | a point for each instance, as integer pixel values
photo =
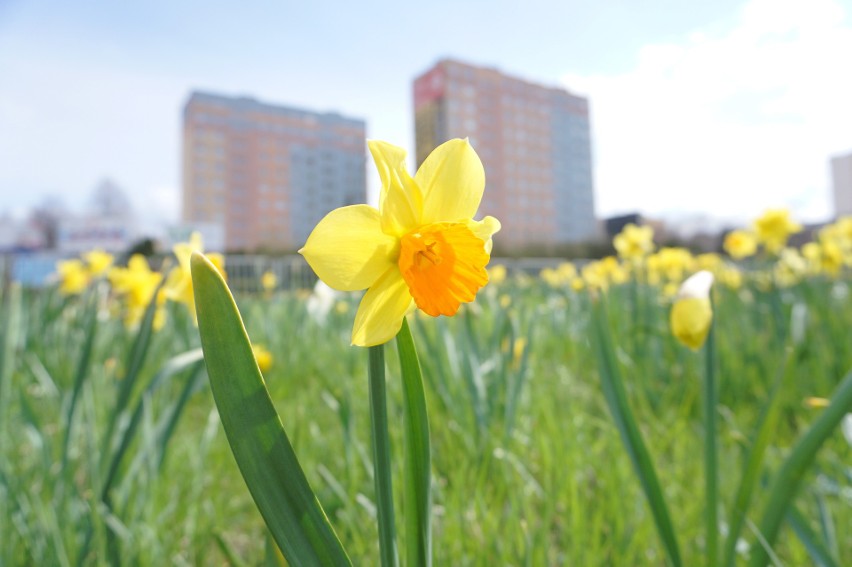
(725, 107)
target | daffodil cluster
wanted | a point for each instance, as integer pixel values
(134, 286)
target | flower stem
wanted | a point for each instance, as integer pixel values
(711, 473)
(381, 458)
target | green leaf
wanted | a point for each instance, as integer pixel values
(816, 550)
(786, 483)
(175, 365)
(258, 440)
(767, 426)
(418, 472)
(134, 366)
(82, 370)
(616, 398)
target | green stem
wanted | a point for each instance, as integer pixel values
(381, 458)
(711, 469)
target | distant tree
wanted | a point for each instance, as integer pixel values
(46, 218)
(109, 200)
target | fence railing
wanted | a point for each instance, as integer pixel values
(244, 270)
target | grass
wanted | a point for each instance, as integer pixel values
(527, 464)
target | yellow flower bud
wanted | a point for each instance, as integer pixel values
(691, 314)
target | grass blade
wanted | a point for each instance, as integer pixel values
(616, 399)
(82, 369)
(816, 550)
(418, 471)
(258, 441)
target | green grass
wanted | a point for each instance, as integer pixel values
(527, 464)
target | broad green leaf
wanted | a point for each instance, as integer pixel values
(257, 438)
(418, 473)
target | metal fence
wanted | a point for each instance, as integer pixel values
(244, 270)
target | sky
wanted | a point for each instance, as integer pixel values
(719, 108)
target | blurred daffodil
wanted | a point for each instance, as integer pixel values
(634, 242)
(420, 247)
(178, 286)
(774, 228)
(740, 244)
(263, 358)
(791, 267)
(73, 276)
(98, 262)
(497, 274)
(815, 402)
(269, 281)
(137, 283)
(692, 314)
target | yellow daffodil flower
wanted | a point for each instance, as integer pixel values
(73, 276)
(634, 242)
(178, 286)
(263, 358)
(137, 283)
(774, 228)
(269, 281)
(740, 244)
(420, 247)
(790, 268)
(692, 314)
(98, 262)
(497, 274)
(814, 402)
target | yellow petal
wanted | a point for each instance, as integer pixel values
(690, 321)
(400, 201)
(485, 229)
(348, 250)
(382, 309)
(452, 180)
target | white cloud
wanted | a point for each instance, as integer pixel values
(728, 123)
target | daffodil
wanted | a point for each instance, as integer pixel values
(497, 274)
(98, 262)
(73, 276)
(178, 286)
(740, 244)
(137, 283)
(774, 228)
(420, 247)
(269, 281)
(263, 358)
(634, 242)
(692, 314)
(791, 267)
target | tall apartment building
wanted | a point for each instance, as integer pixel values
(841, 175)
(533, 140)
(267, 173)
